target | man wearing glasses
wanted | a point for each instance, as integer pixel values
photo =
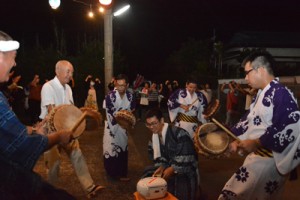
(173, 155)
(115, 139)
(269, 133)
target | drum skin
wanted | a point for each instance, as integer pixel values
(210, 141)
(64, 117)
(93, 118)
(125, 119)
(212, 108)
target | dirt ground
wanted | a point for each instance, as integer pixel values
(214, 173)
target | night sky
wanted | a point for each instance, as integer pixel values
(152, 29)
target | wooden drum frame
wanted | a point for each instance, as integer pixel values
(210, 141)
(66, 117)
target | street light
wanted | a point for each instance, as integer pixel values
(54, 4)
(121, 10)
(108, 40)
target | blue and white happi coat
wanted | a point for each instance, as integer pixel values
(115, 138)
(182, 96)
(274, 119)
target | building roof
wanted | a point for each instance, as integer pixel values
(265, 39)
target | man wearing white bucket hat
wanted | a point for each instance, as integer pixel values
(19, 147)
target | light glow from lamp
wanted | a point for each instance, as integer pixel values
(54, 4)
(121, 11)
(105, 2)
(101, 9)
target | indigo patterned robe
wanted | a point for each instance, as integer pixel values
(274, 119)
(16, 145)
(177, 150)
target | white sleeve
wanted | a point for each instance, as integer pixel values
(47, 95)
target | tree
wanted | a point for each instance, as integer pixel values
(192, 58)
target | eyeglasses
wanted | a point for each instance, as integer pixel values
(151, 124)
(247, 72)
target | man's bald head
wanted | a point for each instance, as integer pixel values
(64, 71)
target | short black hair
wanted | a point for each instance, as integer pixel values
(192, 79)
(154, 112)
(121, 77)
(260, 58)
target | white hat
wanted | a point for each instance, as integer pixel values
(9, 45)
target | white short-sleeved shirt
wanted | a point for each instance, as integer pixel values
(54, 93)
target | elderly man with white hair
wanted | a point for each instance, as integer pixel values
(54, 93)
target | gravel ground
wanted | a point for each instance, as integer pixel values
(214, 173)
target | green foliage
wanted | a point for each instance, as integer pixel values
(192, 58)
(36, 60)
(90, 61)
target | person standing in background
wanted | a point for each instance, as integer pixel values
(144, 101)
(91, 100)
(34, 99)
(153, 96)
(17, 96)
(250, 93)
(231, 102)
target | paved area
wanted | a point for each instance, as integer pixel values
(214, 173)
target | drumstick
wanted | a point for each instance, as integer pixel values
(193, 102)
(225, 129)
(82, 117)
(259, 149)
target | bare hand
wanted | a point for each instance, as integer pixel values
(185, 108)
(233, 146)
(248, 145)
(65, 136)
(40, 127)
(98, 80)
(168, 172)
(158, 172)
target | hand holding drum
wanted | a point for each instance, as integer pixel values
(65, 136)
(68, 135)
(65, 117)
(125, 119)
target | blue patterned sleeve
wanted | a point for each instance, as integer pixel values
(110, 108)
(173, 100)
(132, 100)
(203, 100)
(277, 136)
(15, 142)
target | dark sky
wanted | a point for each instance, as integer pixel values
(153, 29)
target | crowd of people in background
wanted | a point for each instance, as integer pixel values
(25, 98)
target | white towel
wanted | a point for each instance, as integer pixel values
(156, 147)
